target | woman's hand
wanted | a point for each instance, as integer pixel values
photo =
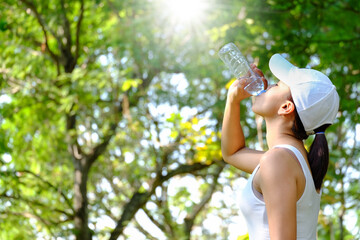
(260, 73)
(236, 91)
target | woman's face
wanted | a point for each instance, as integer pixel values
(268, 103)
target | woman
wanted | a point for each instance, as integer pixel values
(281, 200)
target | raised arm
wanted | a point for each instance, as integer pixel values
(233, 140)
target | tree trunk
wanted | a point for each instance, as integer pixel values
(190, 218)
(342, 208)
(82, 231)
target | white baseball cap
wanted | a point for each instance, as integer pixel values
(314, 95)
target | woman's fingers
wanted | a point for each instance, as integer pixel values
(260, 73)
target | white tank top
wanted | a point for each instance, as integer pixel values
(307, 207)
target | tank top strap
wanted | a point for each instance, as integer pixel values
(255, 170)
(299, 156)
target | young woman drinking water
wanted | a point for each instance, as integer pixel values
(281, 200)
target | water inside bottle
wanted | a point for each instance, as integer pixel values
(240, 68)
(255, 87)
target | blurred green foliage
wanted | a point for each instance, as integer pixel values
(139, 97)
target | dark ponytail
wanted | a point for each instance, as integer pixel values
(318, 155)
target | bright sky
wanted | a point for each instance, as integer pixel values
(185, 11)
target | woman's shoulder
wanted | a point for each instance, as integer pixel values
(277, 155)
(277, 162)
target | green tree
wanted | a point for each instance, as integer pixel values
(82, 78)
(106, 103)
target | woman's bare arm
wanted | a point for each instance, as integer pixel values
(279, 188)
(233, 140)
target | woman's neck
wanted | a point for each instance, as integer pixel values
(279, 132)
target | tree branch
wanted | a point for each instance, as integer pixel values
(78, 26)
(168, 220)
(153, 220)
(136, 202)
(67, 28)
(99, 149)
(74, 147)
(25, 215)
(145, 232)
(182, 169)
(68, 202)
(139, 198)
(28, 201)
(57, 189)
(189, 220)
(43, 27)
(67, 56)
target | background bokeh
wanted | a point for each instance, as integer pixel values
(111, 112)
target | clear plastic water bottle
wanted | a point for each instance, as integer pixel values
(241, 69)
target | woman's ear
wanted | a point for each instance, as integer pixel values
(286, 108)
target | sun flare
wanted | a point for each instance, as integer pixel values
(186, 11)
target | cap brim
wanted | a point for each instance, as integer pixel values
(280, 67)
